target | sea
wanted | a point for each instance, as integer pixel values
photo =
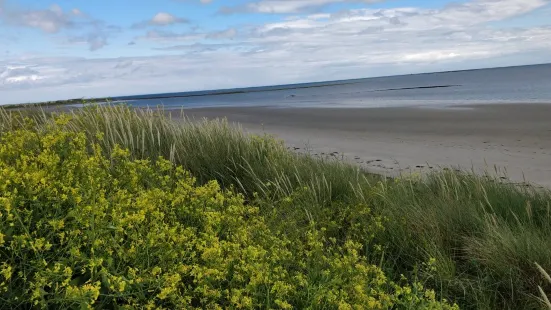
(520, 84)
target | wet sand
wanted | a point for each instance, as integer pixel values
(515, 138)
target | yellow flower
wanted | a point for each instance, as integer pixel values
(156, 270)
(5, 271)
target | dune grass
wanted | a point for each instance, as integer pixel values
(483, 235)
(544, 298)
(473, 239)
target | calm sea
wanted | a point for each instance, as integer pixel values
(498, 85)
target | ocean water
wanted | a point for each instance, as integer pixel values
(523, 84)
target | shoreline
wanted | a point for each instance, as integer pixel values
(515, 138)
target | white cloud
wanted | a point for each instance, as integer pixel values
(164, 19)
(161, 19)
(286, 6)
(18, 74)
(54, 20)
(49, 20)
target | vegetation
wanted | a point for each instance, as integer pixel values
(544, 298)
(112, 206)
(56, 103)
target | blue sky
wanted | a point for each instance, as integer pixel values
(64, 49)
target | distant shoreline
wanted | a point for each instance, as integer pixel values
(256, 89)
(215, 93)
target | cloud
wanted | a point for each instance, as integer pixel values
(54, 20)
(18, 74)
(164, 19)
(399, 36)
(161, 19)
(95, 38)
(49, 20)
(487, 10)
(96, 41)
(285, 6)
(77, 12)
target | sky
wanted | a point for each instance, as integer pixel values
(62, 49)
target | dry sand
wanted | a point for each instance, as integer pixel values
(516, 138)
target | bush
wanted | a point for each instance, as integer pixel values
(79, 228)
(473, 239)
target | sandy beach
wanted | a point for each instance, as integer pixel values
(515, 138)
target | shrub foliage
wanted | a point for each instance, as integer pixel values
(80, 228)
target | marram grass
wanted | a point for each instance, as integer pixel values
(471, 240)
(544, 298)
(210, 150)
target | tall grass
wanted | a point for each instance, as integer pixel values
(480, 237)
(484, 236)
(544, 298)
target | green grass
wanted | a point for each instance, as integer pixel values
(474, 239)
(485, 236)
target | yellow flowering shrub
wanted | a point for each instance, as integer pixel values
(79, 229)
